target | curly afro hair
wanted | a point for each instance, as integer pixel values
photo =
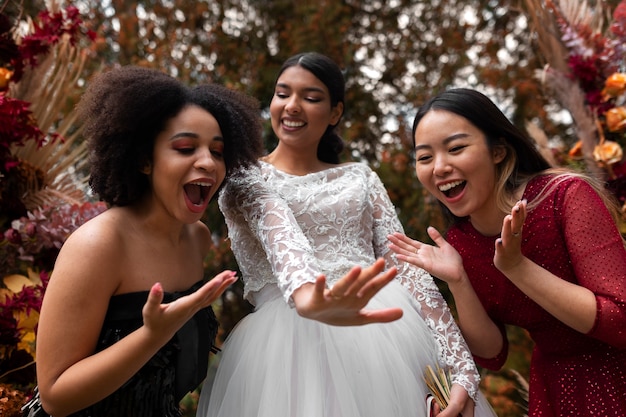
(125, 109)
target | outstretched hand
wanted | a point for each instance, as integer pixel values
(442, 260)
(344, 304)
(509, 246)
(167, 319)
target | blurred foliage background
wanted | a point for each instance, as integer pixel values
(394, 53)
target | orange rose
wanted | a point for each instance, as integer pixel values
(5, 77)
(615, 85)
(608, 152)
(577, 150)
(615, 118)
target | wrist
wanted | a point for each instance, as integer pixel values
(460, 283)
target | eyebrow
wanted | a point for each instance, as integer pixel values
(445, 141)
(193, 135)
(307, 89)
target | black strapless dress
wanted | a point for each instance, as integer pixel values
(178, 368)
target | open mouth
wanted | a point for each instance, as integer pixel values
(197, 192)
(452, 189)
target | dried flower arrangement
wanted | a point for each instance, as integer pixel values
(584, 46)
(42, 188)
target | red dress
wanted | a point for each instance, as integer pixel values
(572, 235)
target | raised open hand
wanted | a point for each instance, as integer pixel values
(509, 246)
(167, 319)
(442, 260)
(344, 304)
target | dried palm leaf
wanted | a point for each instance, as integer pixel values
(440, 385)
(58, 163)
(541, 139)
(569, 94)
(548, 35)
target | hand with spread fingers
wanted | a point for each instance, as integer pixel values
(440, 260)
(340, 325)
(160, 318)
(344, 304)
(509, 246)
(540, 248)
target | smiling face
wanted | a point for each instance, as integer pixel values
(188, 165)
(301, 108)
(454, 164)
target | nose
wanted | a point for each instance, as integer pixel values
(441, 166)
(293, 105)
(204, 161)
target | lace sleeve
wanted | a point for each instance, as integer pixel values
(599, 258)
(270, 220)
(453, 351)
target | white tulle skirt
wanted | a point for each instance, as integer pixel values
(278, 364)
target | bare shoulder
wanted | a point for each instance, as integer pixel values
(92, 252)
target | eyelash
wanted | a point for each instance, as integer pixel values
(453, 149)
(309, 99)
(190, 151)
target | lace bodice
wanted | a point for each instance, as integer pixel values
(285, 230)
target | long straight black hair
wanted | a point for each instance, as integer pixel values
(522, 161)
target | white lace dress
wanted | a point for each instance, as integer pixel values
(285, 230)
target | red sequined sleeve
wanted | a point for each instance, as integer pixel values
(599, 258)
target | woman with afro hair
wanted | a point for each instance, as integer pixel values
(126, 325)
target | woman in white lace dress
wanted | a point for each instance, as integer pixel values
(303, 214)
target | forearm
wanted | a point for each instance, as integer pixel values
(482, 335)
(96, 377)
(572, 304)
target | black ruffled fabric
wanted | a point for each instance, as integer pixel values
(178, 368)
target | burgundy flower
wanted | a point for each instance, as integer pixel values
(49, 28)
(30, 229)
(586, 70)
(13, 236)
(17, 126)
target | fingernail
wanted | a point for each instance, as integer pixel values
(156, 288)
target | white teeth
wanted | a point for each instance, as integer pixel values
(446, 187)
(292, 124)
(202, 184)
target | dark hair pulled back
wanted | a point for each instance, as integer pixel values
(328, 72)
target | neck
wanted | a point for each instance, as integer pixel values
(295, 163)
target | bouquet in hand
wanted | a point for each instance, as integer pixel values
(439, 383)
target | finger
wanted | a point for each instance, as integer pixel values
(507, 232)
(340, 287)
(385, 315)
(377, 283)
(436, 236)
(403, 245)
(518, 215)
(366, 277)
(211, 290)
(355, 283)
(319, 287)
(155, 298)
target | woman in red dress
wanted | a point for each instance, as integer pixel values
(528, 246)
